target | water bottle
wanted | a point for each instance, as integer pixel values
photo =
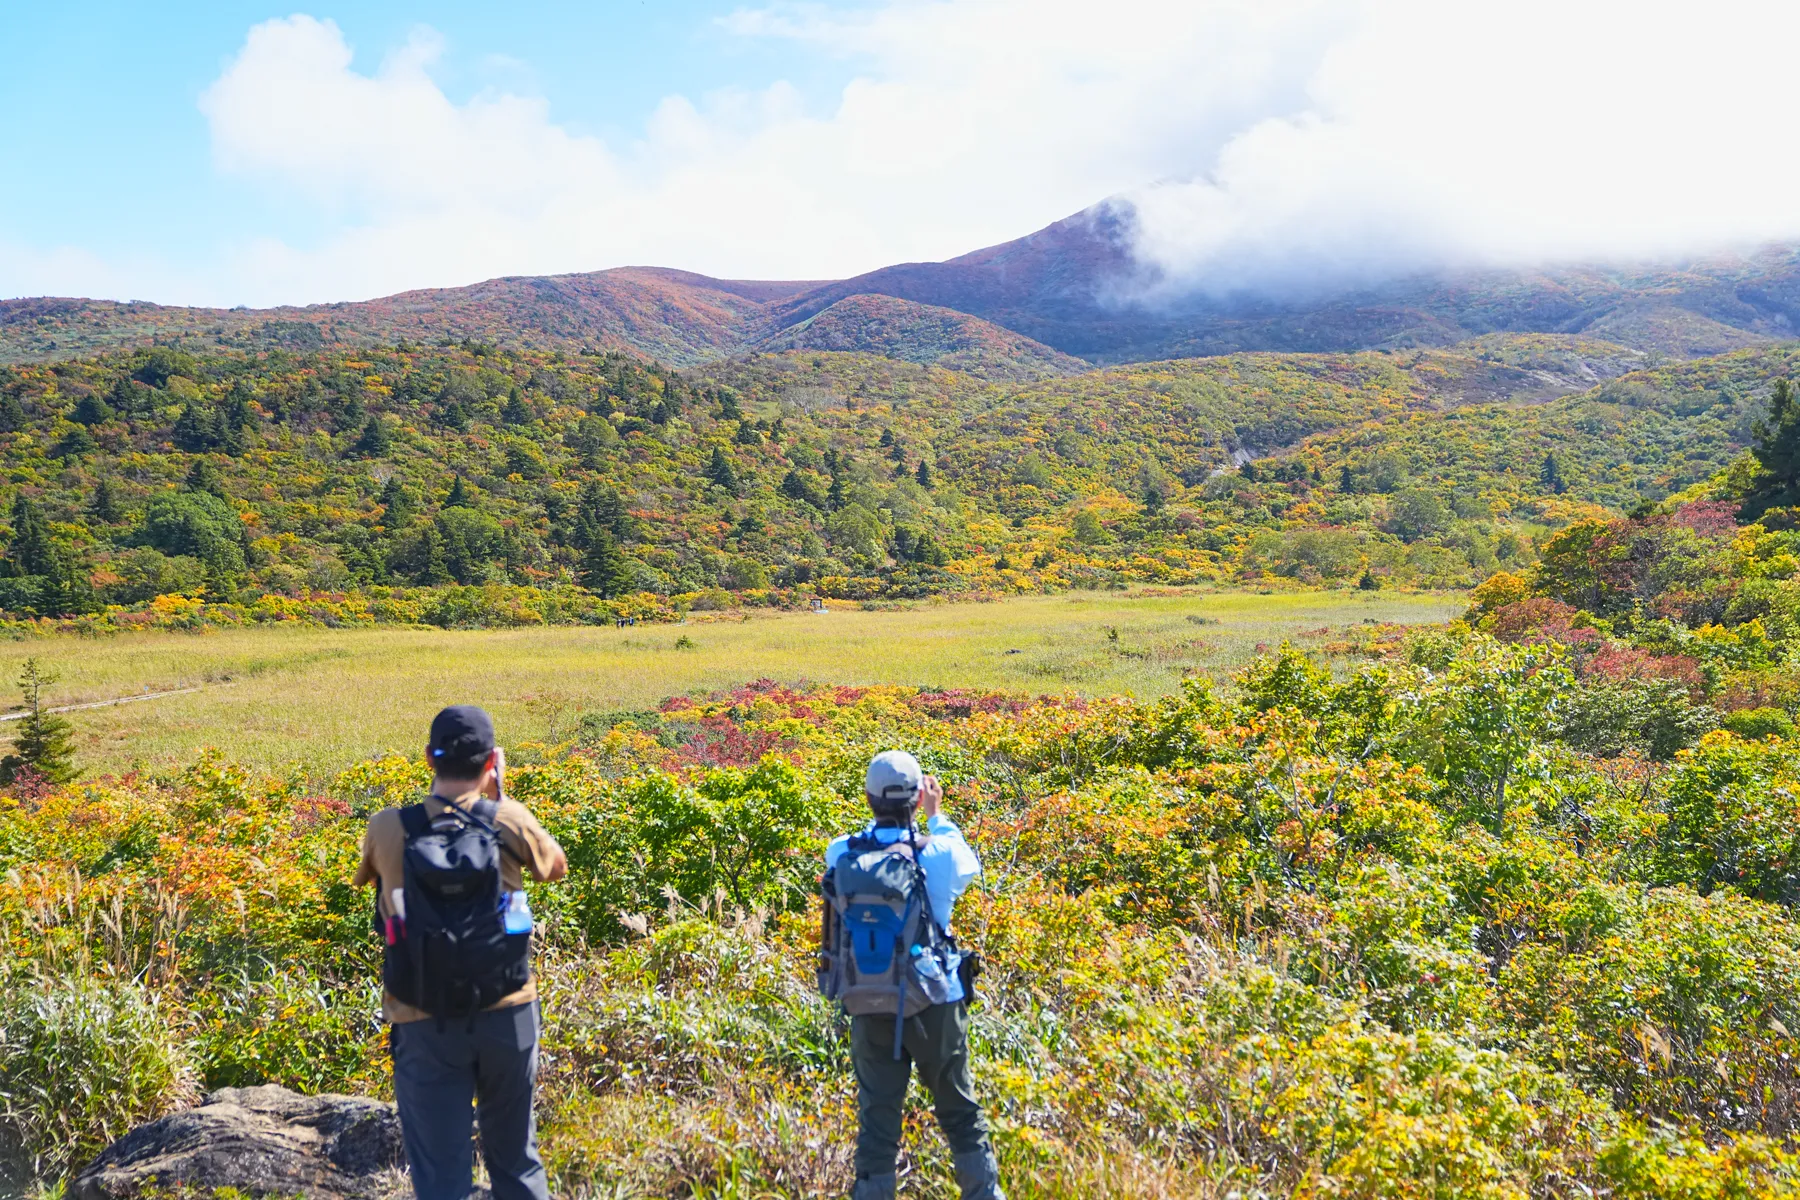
(517, 918)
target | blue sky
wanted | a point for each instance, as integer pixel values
(106, 113)
(225, 152)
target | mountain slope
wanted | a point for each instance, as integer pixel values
(1074, 287)
(924, 333)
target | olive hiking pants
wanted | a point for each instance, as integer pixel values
(937, 1042)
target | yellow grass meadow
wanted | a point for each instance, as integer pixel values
(323, 698)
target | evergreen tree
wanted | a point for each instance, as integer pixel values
(517, 412)
(923, 475)
(237, 421)
(126, 395)
(729, 409)
(31, 551)
(42, 743)
(459, 495)
(1550, 475)
(604, 570)
(107, 509)
(204, 477)
(1776, 444)
(196, 429)
(77, 443)
(796, 487)
(720, 472)
(375, 441)
(435, 570)
(92, 410)
(834, 497)
(611, 515)
(1153, 500)
(397, 507)
(12, 413)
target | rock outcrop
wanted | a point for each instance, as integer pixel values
(260, 1140)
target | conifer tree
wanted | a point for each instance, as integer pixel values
(107, 508)
(31, 552)
(923, 475)
(196, 429)
(92, 410)
(603, 568)
(436, 569)
(1550, 475)
(42, 743)
(459, 495)
(12, 413)
(77, 443)
(396, 503)
(375, 441)
(1776, 444)
(517, 412)
(719, 471)
(204, 477)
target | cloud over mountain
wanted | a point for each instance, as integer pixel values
(1498, 134)
(1261, 143)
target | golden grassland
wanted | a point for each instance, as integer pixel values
(324, 698)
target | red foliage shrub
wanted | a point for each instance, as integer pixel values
(1708, 518)
(1617, 665)
(1539, 619)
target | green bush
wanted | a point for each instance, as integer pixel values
(1733, 819)
(1753, 723)
(1650, 716)
(81, 1061)
(288, 1028)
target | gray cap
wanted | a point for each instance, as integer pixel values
(894, 776)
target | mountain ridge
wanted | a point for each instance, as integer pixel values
(1075, 288)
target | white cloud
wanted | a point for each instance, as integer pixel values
(1260, 139)
(1501, 134)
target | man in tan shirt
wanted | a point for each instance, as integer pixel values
(487, 1059)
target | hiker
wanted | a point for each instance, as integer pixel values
(458, 994)
(888, 956)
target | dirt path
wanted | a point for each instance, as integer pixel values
(20, 716)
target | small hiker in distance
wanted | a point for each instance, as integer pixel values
(887, 955)
(449, 876)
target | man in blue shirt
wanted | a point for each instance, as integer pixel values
(937, 1039)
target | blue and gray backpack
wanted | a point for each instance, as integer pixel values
(881, 952)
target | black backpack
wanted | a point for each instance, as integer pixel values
(451, 955)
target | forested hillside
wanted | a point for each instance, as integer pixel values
(269, 477)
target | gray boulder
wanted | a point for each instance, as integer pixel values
(260, 1140)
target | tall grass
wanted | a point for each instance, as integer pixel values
(327, 698)
(81, 1061)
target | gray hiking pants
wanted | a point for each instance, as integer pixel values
(937, 1041)
(440, 1073)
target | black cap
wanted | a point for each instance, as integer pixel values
(462, 736)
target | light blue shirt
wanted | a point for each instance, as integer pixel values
(947, 860)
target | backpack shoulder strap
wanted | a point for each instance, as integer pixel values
(485, 814)
(415, 821)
